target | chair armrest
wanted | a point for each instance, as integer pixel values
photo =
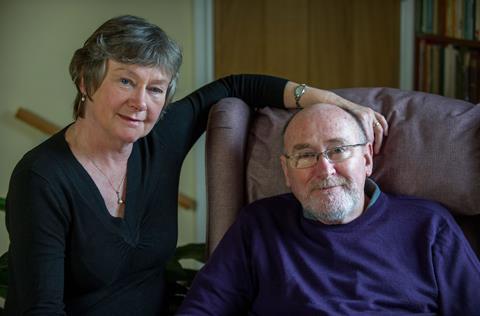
(226, 141)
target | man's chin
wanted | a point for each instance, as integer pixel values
(327, 206)
(326, 195)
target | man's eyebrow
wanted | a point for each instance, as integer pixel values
(301, 146)
(331, 142)
(336, 141)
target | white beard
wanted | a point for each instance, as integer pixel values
(332, 207)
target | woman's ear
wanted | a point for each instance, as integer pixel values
(81, 86)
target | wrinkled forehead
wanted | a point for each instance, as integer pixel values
(321, 125)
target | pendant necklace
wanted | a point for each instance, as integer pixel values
(120, 201)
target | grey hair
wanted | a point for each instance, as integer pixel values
(125, 39)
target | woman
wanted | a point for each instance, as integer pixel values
(92, 211)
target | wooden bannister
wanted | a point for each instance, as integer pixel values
(49, 128)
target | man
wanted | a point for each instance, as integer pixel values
(337, 245)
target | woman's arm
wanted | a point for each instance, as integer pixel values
(37, 228)
(188, 117)
(368, 116)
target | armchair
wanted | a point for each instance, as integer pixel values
(432, 151)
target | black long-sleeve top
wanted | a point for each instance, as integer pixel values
(68, 255)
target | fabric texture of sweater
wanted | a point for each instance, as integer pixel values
(402, 256)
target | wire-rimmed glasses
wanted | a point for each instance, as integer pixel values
(309, 159)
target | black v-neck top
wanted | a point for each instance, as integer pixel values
(68, 255)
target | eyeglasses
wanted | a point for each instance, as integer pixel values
(309, 159)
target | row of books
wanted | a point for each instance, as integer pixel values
(449, 70)
(451, 18)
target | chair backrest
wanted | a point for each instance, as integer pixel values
(432, 151)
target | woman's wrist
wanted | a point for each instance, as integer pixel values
(296, 95)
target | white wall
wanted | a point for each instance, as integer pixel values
(38, 39)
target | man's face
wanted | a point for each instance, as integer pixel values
(331, 192)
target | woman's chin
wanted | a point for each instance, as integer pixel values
(130, 138)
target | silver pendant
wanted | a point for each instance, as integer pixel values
(119, 199)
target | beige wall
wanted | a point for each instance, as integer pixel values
(37, 40)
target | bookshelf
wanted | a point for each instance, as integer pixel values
(447, 48)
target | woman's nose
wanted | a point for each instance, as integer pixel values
(138, 99)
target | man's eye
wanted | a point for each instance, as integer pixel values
(306, 155)
(338, 150)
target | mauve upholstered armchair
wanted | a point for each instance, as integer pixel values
(432, 151)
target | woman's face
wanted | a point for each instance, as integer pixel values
(128, 103)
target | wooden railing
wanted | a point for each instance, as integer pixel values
(49, 128)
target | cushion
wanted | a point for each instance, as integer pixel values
(432, 150)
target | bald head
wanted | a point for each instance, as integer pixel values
(326, 114)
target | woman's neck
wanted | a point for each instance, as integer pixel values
(86, 140)
(105, 162)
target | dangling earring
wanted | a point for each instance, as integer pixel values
(83, 98)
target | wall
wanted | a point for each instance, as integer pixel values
(38, 39)
(324, 43)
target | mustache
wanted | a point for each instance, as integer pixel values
(327, 183)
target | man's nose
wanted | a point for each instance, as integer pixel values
(324, 168)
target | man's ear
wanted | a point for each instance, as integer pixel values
(284, 162)
(368, 155)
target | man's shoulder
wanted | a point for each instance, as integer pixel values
(273, 205)
(285, 199)
(418, 205)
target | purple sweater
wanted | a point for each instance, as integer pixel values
(403, 256)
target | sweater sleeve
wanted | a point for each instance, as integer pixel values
(457, 271)
(37, 227)
(225, 285)
(185, 120)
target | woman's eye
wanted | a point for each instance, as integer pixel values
(157, 90)
(125, 81)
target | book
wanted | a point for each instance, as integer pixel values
(418, 16)
(473, 76)
(468, 18)
(421, 65)
(448, 52)
(435, 69)
(449, 71)
(450, 18)
(459, 18)
(442, 17)
(477, 19)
